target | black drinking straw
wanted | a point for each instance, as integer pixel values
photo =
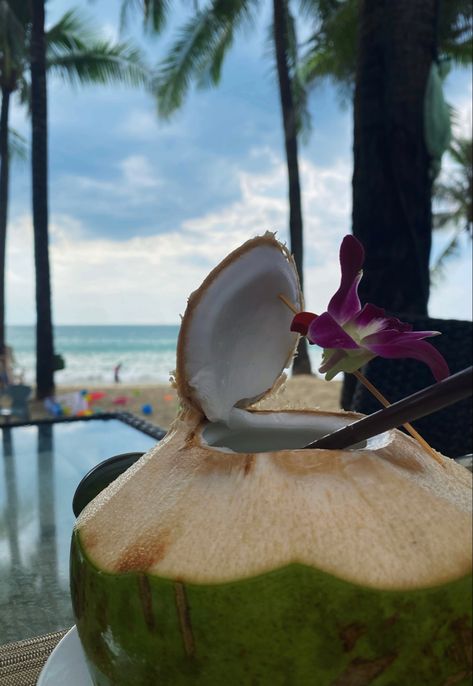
(424, 402)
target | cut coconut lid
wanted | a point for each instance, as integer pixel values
(235, 337)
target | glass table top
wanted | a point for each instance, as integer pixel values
(41, 468)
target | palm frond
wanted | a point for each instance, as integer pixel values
(331, 50)
(79, 55)
(461, 151)
(21, 9)
(24, 91)
(198, 52)
(11, 27)
(437, 271)
(12, 42)
(71, 32)
(441, 219)
(459, 53)
(101, 62)
(455, 189)
(318, 9)
(211, 69)
(17, 146)
(154, 13)
(228, 18)
(184, 60)
(456, 31)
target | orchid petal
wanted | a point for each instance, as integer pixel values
(301, 322)
(345, 304)
(368, 321)
(367, 314)
(416, 349)
(371, 315)
(328, 333)
(392, 336)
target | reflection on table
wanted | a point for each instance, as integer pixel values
(42, 465)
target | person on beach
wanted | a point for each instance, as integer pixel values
(116, 372)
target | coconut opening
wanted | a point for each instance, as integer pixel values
(249, 432)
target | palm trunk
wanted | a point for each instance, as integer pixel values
(4, 175)
(44, 328)
(301, 362)
(391, 183)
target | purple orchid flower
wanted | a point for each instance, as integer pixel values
(351, 335)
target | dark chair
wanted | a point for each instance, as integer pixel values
(19, 395)
(449, 430)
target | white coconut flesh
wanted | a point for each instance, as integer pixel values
(230, 493)
(235, 337)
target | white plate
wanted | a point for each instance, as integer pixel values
(66, 664)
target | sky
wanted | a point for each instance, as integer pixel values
(142, 209)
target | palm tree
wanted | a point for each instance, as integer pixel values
(39, 159)
(72, 51)
(12, 42)
(395, 44)
(198, 54)
(454, 193)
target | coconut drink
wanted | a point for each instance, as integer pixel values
(229, 554)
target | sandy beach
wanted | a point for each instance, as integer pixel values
(300, 392)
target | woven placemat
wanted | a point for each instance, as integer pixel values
(22, 662)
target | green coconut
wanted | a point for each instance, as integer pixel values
(228, 555)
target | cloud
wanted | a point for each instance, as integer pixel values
(462, 119)
(139, 124)
(110, 32)
(131, 184)
(19, 273)
(138, 173)
(458, 92)
(451, 296)
(147, 279)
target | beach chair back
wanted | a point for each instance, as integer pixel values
(19, 394)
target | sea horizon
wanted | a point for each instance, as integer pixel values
(146, 352)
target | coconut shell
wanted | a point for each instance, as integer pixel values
(230, 555)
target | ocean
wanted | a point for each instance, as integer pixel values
(147, 353)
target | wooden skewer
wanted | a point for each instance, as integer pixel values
(288, 303)
(408, 427)
(378, 395)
